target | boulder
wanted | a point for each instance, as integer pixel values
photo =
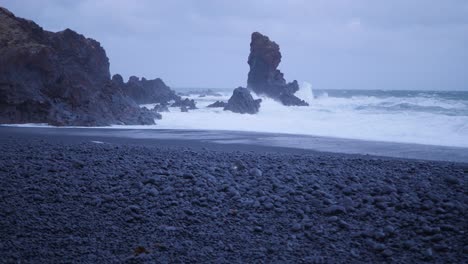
(242, 102)
(264, 78)
(59, 78)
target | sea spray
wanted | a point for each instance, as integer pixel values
(305, 92)
(436, 118)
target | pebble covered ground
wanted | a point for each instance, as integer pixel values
(89, 202)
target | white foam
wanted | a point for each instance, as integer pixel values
(305, 92)
(357, 117)
(354, 118)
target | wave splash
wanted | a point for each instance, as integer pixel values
(305, 92)
(390, 116)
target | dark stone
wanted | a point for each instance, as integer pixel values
(264, 78)
(451, 180)
(296, 227)
(255, 172)
(218, 104)
(387, 253)
(335, 210)
(242, 102)
(428, 253)
(58, 78)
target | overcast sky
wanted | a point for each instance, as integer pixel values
(333, 44)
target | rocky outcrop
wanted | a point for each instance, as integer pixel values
(185, 104)
(264, 78)
(242, 102)
(217, 104)
(144, 91)
(59, 78)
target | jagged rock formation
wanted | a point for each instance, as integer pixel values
(217, 104)
(185, 104)
(144, 91)
(242, 102)
(264, 78)
(58, 78)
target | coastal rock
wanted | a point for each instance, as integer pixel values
(144, 91)
(242, 102)
(218, 104)
(161, 108)
(264, 78)
(188, 104)
(59, 78)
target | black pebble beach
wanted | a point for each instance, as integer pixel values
(79, 201)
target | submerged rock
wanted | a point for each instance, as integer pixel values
(218, 104)
(161, 108)
(188, 104)
(242, 102)
(264, 78)
(59, 78)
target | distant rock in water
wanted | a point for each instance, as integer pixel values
(218, 104)
(208, 92)
(59, 78)
(264, 78)
(200, 93)
(161, 108)
(185, 104)
(242, 102)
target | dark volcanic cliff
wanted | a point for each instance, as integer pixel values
(58, 78)
(264, 78)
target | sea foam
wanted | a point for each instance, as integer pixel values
(413, 119)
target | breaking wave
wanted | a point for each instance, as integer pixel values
(435, 118)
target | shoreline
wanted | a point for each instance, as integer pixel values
(251, 140)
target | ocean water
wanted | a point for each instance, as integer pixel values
(422, 117)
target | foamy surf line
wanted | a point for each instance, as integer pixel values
(429, 118)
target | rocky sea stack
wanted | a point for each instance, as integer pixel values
(59, 78)
(242, 102)
(264, 78)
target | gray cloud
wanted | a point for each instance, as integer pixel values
(355, 44)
